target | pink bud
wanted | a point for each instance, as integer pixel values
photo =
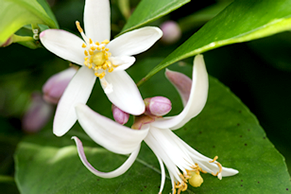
(157, 106)
(171, 32)
(119, 116)
(37, 115)
(55, 86)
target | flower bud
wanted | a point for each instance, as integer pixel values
(119, 116)
(37, 115)
(171, 32)
(157, 106)
(55, 86)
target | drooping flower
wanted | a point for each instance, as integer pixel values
(184, 164)
(100, 58)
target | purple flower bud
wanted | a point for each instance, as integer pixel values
(119, 116)
(171, 32)
(37, 115)
(55, 86)
(157, 106)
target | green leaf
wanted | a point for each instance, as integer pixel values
(225, 128)
(15, 14)
(150, 10)
(241, 21)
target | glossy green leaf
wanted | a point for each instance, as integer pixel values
(150, 10)
(225, 128)
(15, 14)
(241, 21)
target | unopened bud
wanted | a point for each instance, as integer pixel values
(119, 116)
(37, 115)
(157, 106)
(55, 86)
(171, 32)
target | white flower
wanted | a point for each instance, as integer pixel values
(101, 58)
(184, 164)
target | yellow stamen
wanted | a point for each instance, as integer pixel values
(105, 42)
(218, 164)
(97, 56)
(79, 27)
(214, 159)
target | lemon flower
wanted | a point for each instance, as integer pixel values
(98, 57)
(184, 164)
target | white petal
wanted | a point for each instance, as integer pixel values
(63, 44)
(97, 20)
(197, 99)
(78, 91)
(109, 134)
(123, 62)
(134, 42)
(228, 172)
(163, 174)
(119, 171)
(125, 94)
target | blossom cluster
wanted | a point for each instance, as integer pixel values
(106, 60)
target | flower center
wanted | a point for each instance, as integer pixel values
(194, 178)
(98, 58)
(96, 55)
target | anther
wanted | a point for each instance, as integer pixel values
(218, 164)
(214, 159)
(105, 41)
(86, 52)
(97, 43)
(84, 45)
(90, 41)
(79, 27)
